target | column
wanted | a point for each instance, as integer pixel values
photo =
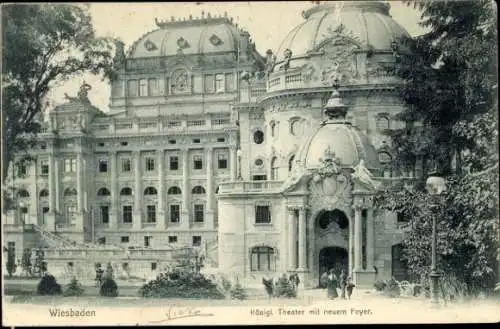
(161, 189)
(351, 246)
(79, 185)
(302, 239)
(113, 218)
(185, 189)
(57, 186)
(52, 183)
(358, 247)
(137, 211)
(292, 250)
(370, 246)
(210, 175)
(232, 162)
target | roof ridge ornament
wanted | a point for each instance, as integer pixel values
(335, 108)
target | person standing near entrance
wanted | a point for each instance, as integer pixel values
(323, 280)
(343, 283)
(332, 285)
(349, 287)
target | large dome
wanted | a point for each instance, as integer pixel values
(192, 36)
(368, 22)
(338, 139)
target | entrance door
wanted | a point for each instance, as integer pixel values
(333, 257)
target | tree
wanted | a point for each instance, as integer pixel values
(40, 266)
(450, 88)
(26, 262)
(11, 261)
(43, 44)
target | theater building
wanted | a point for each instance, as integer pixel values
(268, 163)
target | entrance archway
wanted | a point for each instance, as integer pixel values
(335, 258)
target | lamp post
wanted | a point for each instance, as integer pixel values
(238, 155)
(435, 186)
(20, 213)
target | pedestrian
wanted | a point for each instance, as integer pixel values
(332, 285)
(323, 280)
(343, 283)
(99, 272)
(269, 286)
(349, 287)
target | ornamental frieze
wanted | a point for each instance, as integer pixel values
(292, 105)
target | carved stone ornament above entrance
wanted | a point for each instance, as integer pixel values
(330, 164)
(329, 193)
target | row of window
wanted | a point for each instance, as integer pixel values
(262, 214)
(213, 83)
(150, 163)
(196, 242)
(174, 190)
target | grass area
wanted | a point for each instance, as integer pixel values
(16, 277)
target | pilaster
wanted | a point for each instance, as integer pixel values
(113, 214)
(161, 190)
(137, 211)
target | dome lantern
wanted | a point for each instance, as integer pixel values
(335, 109)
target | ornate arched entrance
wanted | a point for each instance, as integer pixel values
(331, 241)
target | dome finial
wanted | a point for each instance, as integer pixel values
(334, 108)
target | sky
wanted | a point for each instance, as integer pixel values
(267, 22)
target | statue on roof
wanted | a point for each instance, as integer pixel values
(84, 91)
(363, 176)
(119, 58)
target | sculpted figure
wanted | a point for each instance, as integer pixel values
(363, 175)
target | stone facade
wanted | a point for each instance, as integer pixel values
(207, 143)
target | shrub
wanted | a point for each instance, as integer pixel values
(238, 292)
(181, 284)
(74, 288)
(285, 289)
(109, 288)
(11, 262)
(48, 286)
(26, 262)
(392, 289)
(380, 285)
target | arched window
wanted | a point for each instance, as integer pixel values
(23, 194)
(44, 193)
(262, 259)
(198, 190)
(290, 163)
(382, 123)
(274, 168)
(126, 191)
(174, 190)
(273, 128)
(70, 192)
(150, 191)
(103, 192)
(296, 127)
(258, 137)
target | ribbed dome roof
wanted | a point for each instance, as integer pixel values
(194, 36)
(338, 139)
(368, 22)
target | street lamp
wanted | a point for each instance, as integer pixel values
(238, 155)
(435, 186)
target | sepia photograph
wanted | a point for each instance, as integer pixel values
(286, 162)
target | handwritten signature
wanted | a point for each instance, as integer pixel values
(178, 313)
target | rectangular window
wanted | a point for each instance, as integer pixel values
(174, 163)
(143, 87)
(221, 140)
(127, 214)
(104, 214)
(44, 167)
(262, 214)
(150, 164)
(45, 211)
(22, 170)
(103, 165)
(67, 165)
(196, 241)
(124, 239)
(153, 266)
(209, 83)
(197, 162)
(71, 213)
(222, 161)
(259, 177)
(101, 240)
(126, 165)
(73, 165)
(198, 213)
(174, 213)
(230, 82)
(172, 239)
(263, 259)
(196, 141)
(154, 89)
(219, 83)
(133, 88)
(147, 241)
(151, 214)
